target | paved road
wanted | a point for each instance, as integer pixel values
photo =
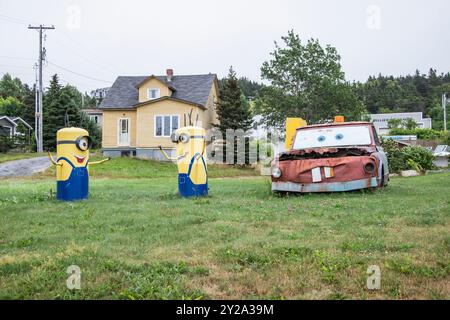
(25, 167)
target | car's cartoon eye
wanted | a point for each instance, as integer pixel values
(83, 143)
(339, 136)
(321, 138)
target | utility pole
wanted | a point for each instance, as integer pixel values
(444, 106)
(39, 89)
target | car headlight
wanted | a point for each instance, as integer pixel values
(369, 167)
(276, 172)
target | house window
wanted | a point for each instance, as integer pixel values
(124, 132)
(153, 93)
(6, 131)
(94, 118)
(166, 124)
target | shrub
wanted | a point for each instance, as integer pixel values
(424, 134)
(418, 158)
(410, 157)
(395, 156)
(6, 144)
(445, 138)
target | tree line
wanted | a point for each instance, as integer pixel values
(305, 79)
(62, 107)
(301, 79)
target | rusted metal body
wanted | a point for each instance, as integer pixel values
(330, 165)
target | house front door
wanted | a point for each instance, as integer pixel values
(124, 132)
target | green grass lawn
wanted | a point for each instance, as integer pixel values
(4, 157)
(135, 238)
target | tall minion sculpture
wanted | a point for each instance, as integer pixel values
(191, 161)
(72, 161)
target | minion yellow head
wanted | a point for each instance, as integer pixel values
(73, 144)
(189, 141)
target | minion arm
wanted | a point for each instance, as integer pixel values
(53, 161)
(166, 155)
(98, 162)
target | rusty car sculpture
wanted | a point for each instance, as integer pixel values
(340, 156)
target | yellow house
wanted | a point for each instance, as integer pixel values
(140, 112)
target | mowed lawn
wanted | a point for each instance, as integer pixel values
(136, 239)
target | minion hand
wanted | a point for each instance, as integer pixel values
(99, 162)
(53, 161)
(166, 155)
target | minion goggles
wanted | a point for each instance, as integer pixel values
(83, 143)
(184, 138)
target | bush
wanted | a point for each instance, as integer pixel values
(407, 158)
(6, 144)
(424, 134)
(418, 158)
(445, 138)
(395, 156)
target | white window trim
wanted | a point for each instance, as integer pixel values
(127, 144)
(148, 93)
(164, 115)
(94, 116)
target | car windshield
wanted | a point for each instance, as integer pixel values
(332, 136)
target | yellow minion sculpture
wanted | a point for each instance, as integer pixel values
(72, 161)
(191, 161)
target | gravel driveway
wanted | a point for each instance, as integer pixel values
(25, 167)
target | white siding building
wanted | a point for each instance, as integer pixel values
(380, 120)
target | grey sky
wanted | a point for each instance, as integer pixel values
(104, 39)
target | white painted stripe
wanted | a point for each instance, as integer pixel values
(316, 175)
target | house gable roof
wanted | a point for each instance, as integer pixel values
(15, 119)
(124, 92)
(169, 98)
(160, 79)
(9, 120)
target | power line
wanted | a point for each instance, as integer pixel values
(92, 53)
(77, 73)
(10, 66)
(83, 57)
(18, 58)
(15, 20)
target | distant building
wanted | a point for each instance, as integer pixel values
(380, 120)
(261, 132)
(95, 114)
(15, 127)
(99, 93)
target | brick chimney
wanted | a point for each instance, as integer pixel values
(169, 74)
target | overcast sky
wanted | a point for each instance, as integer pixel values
(103, 39)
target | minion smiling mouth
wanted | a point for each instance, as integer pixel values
(79, 158)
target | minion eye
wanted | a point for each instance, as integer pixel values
(174, 137)
(184, 138)
(83, 143)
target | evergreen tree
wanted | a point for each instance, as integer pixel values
(233, 111)
(62, 108)
(53, 113)
(29, 104)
